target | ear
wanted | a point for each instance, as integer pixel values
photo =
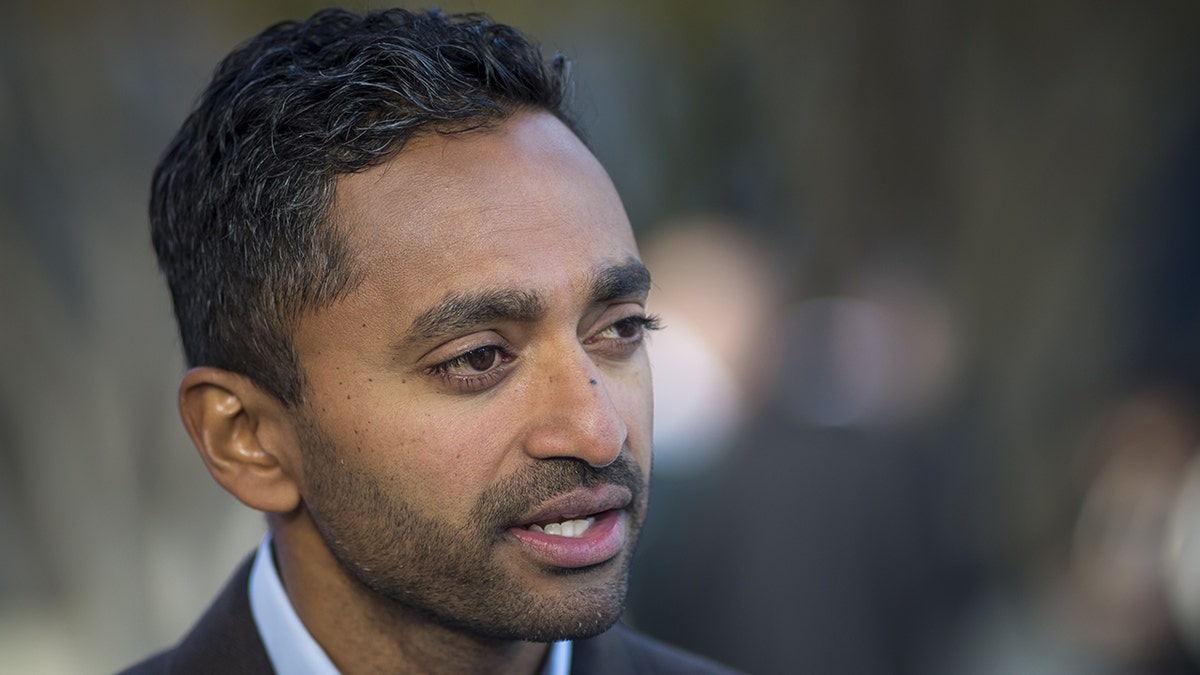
(245, 436)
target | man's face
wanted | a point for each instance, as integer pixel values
(488, 375)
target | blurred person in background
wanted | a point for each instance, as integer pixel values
(1124, 551)
(1114, 587)
(723, 291)
(1115, 595)
(818, 531)
(415, 316)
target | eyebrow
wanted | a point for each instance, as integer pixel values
(460, 312)
(620, 281)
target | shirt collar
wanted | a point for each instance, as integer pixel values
(290, 647)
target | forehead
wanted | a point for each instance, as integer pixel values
(522, 203)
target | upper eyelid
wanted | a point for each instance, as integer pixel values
(645, 323)
(444, 366)
(620, 310)
(469, 344)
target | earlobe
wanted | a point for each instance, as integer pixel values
(245, 437)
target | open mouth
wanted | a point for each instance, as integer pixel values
(581, 529)
(574, 542)
(568, 527)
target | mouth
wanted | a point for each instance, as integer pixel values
(575, 527)
(582, 528)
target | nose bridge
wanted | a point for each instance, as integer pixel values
(574, 414)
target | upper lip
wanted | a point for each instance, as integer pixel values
(579, 503)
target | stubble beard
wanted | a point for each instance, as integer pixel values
(449, 573)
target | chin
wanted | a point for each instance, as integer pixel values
(571, 615)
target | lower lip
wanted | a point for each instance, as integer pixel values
(601, 543)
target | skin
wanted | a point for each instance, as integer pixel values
(430, 428)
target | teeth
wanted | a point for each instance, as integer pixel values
(567, 528)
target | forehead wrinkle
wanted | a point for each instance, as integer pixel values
(459, 312)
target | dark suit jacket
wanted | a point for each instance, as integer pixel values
(226, 641)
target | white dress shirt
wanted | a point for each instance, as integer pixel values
(291, 648)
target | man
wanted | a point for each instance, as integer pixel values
(414, 311)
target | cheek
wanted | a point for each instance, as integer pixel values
(635, 400)
(441, 461)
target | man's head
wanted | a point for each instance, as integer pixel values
(240, 201)
(419, 346)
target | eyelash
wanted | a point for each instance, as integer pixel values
(486, 378)
(643, 324)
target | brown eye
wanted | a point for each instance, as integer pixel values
(628, 328)
(474, 370)
(481, 359)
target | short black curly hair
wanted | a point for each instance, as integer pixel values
(239, 205)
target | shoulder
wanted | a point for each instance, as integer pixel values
(624, 650)
(224, 640)
(155, 665)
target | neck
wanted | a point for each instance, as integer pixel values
(363, 633)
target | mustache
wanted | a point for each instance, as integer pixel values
(506, 502)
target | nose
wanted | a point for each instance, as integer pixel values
(573, 413)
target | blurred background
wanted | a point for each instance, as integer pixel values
(927, 398)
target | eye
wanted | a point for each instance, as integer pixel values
(480, 359)
(624, 336)
(474, 370)
(475, 361)
(630, 328)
